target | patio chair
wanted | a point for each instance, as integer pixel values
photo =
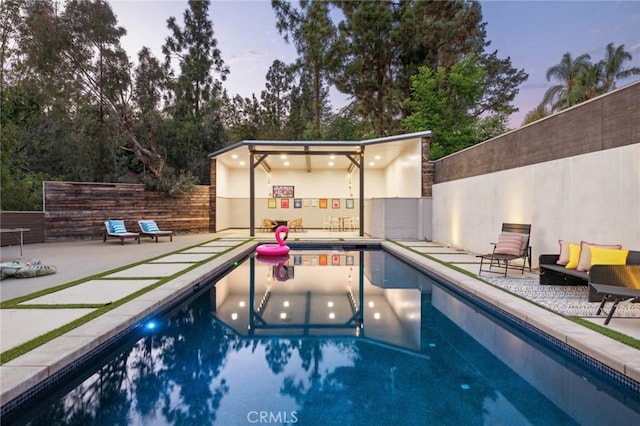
(268, 225)
(513, 243)
(295, 225)
(150, 228)
(114, 228)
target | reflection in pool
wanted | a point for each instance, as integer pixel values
(333, 337)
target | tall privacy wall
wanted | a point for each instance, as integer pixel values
(75, 211)
(573, 176)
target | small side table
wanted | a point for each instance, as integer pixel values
(20, 231)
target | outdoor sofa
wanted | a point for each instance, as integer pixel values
(610, 276)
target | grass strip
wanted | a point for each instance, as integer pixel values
(13, 353)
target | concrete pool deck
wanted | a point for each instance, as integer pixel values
(152, 262)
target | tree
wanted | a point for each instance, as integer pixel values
(499, 86)
(383, 44)
(302, 111)
(312, 32)
(613, 66)
(368, 46)
(276, 99)
(195, 91)
(150, 81)
(580, 80)
(241, 118)
(440, 102)
(76, 61)
(20, 124)
(565, 93)
(536, 114)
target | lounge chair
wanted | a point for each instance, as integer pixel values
(115, 229)
(150, 228)
(513, 243)
(616, 295)
(615, 283)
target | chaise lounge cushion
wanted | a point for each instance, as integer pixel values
(149, 226)
(117, 227)
(572, 272)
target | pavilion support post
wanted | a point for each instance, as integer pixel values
(212, 194)
(252, 194)
(361, 190)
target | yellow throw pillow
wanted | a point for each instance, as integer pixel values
(605, 256)
(584, 263)
(574, 256)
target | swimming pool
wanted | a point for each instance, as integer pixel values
(343, 337)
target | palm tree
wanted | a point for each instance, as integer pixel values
(590, 82)
(612, 66)
(565, 94)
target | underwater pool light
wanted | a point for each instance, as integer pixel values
(151, 325)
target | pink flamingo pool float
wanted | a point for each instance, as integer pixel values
(279, 249)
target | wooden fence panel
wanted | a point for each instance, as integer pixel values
(34, 221)
(77, 211)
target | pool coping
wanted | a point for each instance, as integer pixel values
(24, 376)
(616, 355)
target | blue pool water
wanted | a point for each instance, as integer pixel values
(332, 338)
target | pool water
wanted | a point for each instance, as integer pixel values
(333, 338)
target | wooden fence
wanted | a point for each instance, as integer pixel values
(33, 221)
(77, 211)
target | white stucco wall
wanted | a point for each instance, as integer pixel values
(403, 177)
(592, 197)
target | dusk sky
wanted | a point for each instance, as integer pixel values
(535, 34)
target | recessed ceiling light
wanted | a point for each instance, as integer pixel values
(286, 163)
(234, 156)
(242, 163)
(371, 163)
(331, 163)
(377, 157)
(283, 157)
(332, 157)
